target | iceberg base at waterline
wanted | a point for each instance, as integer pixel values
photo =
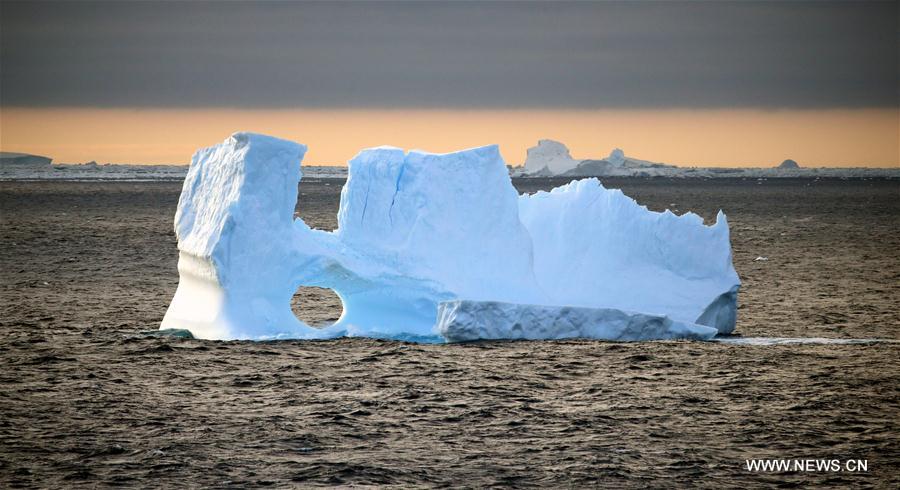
(439, 247)
(461, 320)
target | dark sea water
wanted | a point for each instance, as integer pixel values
(86, 399)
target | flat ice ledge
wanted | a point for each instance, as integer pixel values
(466, 320)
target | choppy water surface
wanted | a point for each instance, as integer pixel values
(85, 398)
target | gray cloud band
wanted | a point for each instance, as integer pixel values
(529, 55)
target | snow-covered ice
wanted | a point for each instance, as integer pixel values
(418, 229)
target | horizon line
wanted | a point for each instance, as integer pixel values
(704, 138)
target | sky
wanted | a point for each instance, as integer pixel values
(690, 83)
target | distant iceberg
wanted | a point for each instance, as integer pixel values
(23, 160)
(552, 159)
(439, 247)
(549, 158)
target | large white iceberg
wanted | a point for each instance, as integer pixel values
(416, 230)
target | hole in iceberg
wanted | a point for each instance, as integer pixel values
(317, 307)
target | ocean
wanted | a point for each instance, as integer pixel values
(89, 397)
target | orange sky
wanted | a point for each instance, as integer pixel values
(859, 137)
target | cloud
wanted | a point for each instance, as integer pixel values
(460, 55)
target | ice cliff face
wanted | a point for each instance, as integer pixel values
(423, 233)
(234, 225)
(419, 228)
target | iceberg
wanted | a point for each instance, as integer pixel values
(435, 248)
(549, 158)
(616, 157)
(552, 159)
